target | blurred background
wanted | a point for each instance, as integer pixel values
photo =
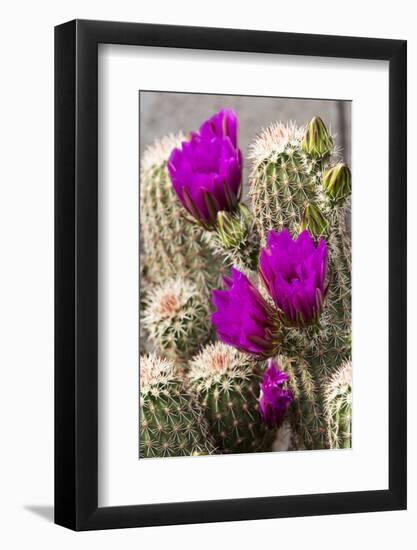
(169, 112)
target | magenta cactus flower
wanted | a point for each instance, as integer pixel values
(273, 398)
(243, 318)
(293, 272)
(206, 172)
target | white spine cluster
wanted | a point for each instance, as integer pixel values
(217, 362)
(176, 318)
(274, 140)
(154, 371)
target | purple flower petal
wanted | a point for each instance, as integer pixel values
(273, 398)
(243, 318)
(293, 272)
(209, 168)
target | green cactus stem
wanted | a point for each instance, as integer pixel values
(226, 383)
(311, 358)
(283, 180)
(171, 421)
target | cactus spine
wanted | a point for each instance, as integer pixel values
(339, 407)
(286, 190)
(172, 245)
(176, 318)
(226, 382)
(171, 421)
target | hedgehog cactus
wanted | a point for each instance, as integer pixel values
(286, 189)
(339, 407)
(227, 382)
(176, 318)
(172, 245)
(287, 297)
(171, 421)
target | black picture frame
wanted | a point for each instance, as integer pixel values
(76, 272)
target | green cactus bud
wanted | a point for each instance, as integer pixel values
(337, 182)
(233, 228)
(235, 239)
(226, 383)
(339, 407)
(317, 141)
(176, 318)
(171, 421)
(314, 221)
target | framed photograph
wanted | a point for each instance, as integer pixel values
(230, 254)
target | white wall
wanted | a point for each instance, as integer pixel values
(26, 272)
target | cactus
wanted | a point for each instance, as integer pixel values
(171, 421)
(282, 181)
(199, 397)
(176, 319)
(339, 407)
(172, 244)
(286, 190)
(226, 383)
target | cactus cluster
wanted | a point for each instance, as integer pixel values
(206, 386)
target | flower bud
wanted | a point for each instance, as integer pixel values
(314, 221)
(337, 182)
(233, 228)
(317, 141)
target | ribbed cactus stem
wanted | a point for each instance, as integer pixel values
(340, 264)
(172, 245)
(226, 383)
(171, 421)
(339, 407)
(176, 319)
(283, 181)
